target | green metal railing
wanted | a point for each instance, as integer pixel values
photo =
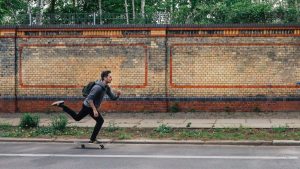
(119, 18)
(78, 18)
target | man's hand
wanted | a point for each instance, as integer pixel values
(118, 92)
(96, 113)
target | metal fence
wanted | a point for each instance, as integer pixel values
(116, 18)
(87, 18)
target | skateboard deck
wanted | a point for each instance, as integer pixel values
(86, 144)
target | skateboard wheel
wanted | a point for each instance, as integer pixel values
(102, 146)
(82, 146)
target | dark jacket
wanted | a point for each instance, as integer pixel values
(97, 94)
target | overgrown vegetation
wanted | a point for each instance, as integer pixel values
(175, 108)
(188, 125)
(148, 11)
(59, 122)
(161, 132)
(163, 129)
(112, 127)
(29, 121)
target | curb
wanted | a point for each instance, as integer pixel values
(239, 142)
(286, 142)
(192, 142)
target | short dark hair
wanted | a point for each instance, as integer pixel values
(105, 74)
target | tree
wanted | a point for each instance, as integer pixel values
(12, 11)
(126, 11)
(100, 10)
(143, 8)
(40, 12)
(133, 10)
(52, 11)
(233, 11)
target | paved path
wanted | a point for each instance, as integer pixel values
(176, 120)
(136, 156)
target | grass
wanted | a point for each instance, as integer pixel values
(163, 129)
(112, 127)
(161, 132)
(59, 123)
(123, 136)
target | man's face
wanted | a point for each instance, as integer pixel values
(108, 79)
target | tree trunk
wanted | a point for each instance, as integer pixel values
(40, 10)
(100, 10)
(171, 11)
(29, 12)
(52, 6)
(74, 15)
(29, 6)
(297, 5)
(143, 9)
(133, 10)
(126, 10)
(52, 11)
(74, 2)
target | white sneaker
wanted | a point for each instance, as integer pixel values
(58, 103)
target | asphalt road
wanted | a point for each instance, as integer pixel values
(147, 156)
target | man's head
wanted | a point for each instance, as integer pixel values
(106, 77)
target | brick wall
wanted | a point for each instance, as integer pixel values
(242, 68)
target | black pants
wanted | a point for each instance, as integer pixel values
(84, 112)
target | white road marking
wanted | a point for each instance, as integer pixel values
(155, 156)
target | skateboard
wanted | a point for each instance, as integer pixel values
(86, 144)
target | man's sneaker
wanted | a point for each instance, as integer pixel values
(95, 142)
(58, 103)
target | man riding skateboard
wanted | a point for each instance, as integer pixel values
(92, 103)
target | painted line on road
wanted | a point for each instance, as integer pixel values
(155, 156)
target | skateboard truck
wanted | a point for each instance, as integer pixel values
(85, 144)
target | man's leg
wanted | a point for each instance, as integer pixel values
(82, 113)
(99, 122)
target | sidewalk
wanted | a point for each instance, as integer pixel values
(175, 120)
(178, 120)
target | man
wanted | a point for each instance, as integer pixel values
(92, 103)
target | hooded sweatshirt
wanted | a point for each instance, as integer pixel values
(97, 94)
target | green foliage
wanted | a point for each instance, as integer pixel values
(175, 108)
(242, 11)
(123, 136)
(11, 10)
(180, 11)
(276, 133)
(257, 109)
(29, 121)
(280, 129)
(189, 125)
(4, 126)
(163, 129)
(112, 127)
(59, 122)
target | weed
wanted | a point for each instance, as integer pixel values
(112, 127)
(29, 121)
(163, 129)
(59, 122)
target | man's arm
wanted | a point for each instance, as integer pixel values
(111, 95)
(95, 111)
(90, 99)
